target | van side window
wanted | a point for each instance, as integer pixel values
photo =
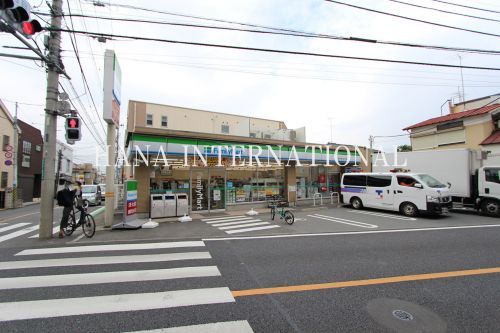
(355, 180)
(406, 181)
(379, 181)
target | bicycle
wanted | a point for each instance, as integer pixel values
(88, 225)
(283, 214)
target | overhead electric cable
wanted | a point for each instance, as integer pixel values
(287, 32)
(414, 19)
(469, 7)
(444, 11)
(243, 48)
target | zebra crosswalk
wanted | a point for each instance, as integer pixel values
(239, 224)
(15, 230)
(160, 277)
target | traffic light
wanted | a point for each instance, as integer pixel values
(17, 15)
(73, 131)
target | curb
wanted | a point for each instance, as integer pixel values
(97, 211)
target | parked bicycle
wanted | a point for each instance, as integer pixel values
(283, 213)
(88, 223)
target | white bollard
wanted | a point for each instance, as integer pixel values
(252, 212)
(185, 218)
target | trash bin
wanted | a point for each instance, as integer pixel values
(182, 204)
(157, 205)
(170, 205)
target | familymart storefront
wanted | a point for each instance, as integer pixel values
(222, 175)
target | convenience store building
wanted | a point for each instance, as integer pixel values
(211, 157)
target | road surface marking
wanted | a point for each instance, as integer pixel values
(18, 233)
(368, 282)
(90, 261)
(117, 247)
(55, 230)
(232, 223)
(252, 229)
(383, 215)
(17, 217)
(21, 282)
(224, 218)
(77, 238)
(13, 226)
(324, 234)
(243, 225)
(229, 220)
(344, 221)
(240, 326)
(112, 303)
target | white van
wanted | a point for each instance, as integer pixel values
(408, 193)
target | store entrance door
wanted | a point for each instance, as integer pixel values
(217, 189)
(199, 190)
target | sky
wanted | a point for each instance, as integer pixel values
(335, 99)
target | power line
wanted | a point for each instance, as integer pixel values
(444, 11)
(414, 19)
(294, 33)
(75, 48)
(469, 7)
(243, 48)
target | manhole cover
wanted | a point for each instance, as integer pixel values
(402, 315)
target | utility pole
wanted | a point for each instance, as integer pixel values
(371, 138)
(331, 129)
(50, 135)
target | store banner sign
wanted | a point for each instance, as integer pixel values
(112, 88)
(130, 199)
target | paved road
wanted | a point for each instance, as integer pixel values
(423, 281)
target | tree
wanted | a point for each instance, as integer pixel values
(403, 148)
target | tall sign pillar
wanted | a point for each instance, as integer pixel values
(111, 114)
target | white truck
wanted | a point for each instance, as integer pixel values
(474, 183)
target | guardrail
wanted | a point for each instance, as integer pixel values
(320, 198)
(336, 196)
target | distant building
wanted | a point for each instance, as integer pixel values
(64, 158)
(85, 173)
(29, 157)
(6, 156)
(473, 124)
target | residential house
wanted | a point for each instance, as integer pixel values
(6, 156)
(29, 159)
(471, 124)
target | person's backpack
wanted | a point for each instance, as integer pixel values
(60, 198)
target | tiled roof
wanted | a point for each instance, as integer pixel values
(492, 139)
(455, 116)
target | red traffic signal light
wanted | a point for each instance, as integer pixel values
(31, 27)
(72, 125)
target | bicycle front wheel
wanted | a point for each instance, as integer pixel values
(289, 218)
(70, 227)
(89, 226)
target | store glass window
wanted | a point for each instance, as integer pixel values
(4, 180)
(240, 185)
(270, 183)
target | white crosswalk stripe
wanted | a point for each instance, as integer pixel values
(240, 326)
(18, 233)
(13, 226)
(239, 224)
(55, 230)
(19, 275)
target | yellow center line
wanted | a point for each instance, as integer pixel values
(368, 282)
